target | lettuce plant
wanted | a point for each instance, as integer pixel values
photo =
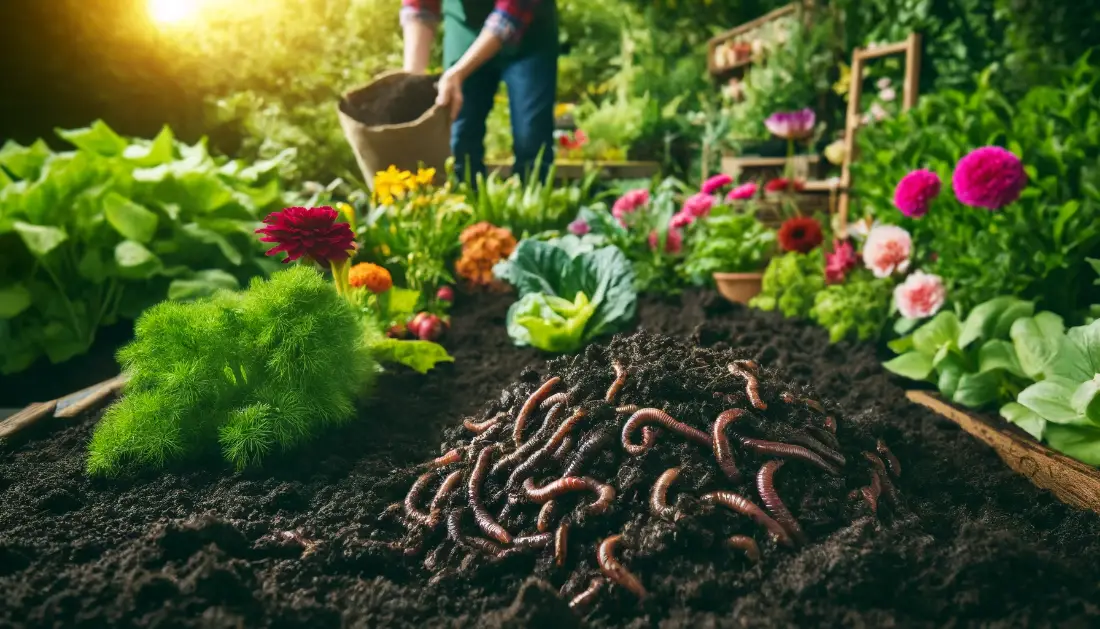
(791, 283)
(250, 372)
(567, 300)
(730, 242)
(859, 307)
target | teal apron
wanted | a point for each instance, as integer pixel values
(464, 19)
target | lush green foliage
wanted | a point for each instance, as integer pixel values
(112, 227)
(567, 300)
(727, 241)
(1033, 248)
(254, 372)
(859, 307)
(527, 208)
(791, 283)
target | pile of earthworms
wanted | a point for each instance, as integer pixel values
(571, 470)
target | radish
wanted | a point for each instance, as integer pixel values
(445, 293)
(417, 321)
(430, 329)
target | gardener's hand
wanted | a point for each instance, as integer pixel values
(450, 92)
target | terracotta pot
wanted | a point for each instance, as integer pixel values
(739, 287)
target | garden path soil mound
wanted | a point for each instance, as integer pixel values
(302, 543)
(404, 99)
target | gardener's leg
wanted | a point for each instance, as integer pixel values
(468, 130)
(532, 82)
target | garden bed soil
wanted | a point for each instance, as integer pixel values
(404, 100)
(204, 546)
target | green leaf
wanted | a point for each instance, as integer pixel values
(1023, 417)
(1079, 442)
(421, 356)
(976, 390)
(135, 261)
(14, 299)
(1086, 339)
(128, 218)
(987, 318)
(901, 345)
(905, 325)
(39, 239)
(211, 237)
(950, 372)
(98, 138)
(912, 365)
(943, 330)
(91, 266)
(25, 162)
(402, 301)
(202, 284)
(998, 354)
(159, 151)
(1050, 399)
(1037, 341)
(1086, 399)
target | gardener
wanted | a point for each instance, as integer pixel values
(484, 42)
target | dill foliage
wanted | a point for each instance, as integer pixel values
(248, 372)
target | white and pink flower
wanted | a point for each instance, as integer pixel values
(921, 295)
(887, 250)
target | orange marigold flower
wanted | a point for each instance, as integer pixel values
(474, 231)
(372, 277)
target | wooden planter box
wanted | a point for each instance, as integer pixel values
(1071, 481)
(571, 171)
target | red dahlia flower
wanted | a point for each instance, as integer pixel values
(310, 232)
(800, 234)
(782, 184)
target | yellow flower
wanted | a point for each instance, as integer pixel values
(391, 183)
(372, 277)
(563, 109)
(425, 176)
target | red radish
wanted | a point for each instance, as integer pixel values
(418, 320)
(445, 293)
(430, 329)
(398, 331)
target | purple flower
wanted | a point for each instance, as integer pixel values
(989, 177)
(915, 191)
(579, 227)
(791, 125)
(716, 183)
(698, 205)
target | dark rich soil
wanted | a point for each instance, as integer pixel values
(403, 100)
(974, 545)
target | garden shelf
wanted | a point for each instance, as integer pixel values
(1071, 481)
(724, 71)
(572, 170)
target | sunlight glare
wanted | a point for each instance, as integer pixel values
(173, 11)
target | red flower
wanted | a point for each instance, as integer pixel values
(574, 142)
(310, 232)
(782, 184)
(840, 261)
(800, 234)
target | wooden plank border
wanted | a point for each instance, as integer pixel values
(67, 407)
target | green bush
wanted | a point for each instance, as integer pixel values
(857, 308)
(791, 283)
(253, 372)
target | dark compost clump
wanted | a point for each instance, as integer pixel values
(594, 472)
(404, 99)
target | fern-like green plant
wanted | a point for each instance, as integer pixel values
(249, 372)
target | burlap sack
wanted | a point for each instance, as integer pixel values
(425, 141)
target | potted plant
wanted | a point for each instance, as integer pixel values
(731, 248)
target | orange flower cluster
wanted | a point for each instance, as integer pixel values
(483, 245)
(372, 277)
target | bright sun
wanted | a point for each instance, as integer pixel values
(173, 11)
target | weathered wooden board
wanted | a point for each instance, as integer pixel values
(70, 406)
(1071, 481)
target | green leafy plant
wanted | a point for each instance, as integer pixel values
(973, 363)
(791, 283)
(727, 241)
(527, 208)
(566, 300)
(250, 372)
(859, 307)
(102, 232)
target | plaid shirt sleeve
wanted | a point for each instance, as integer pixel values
(426, 11)
(510, 19)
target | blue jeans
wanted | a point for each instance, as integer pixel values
(532, 82)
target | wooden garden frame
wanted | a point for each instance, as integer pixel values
(911, 49)
(721, 38)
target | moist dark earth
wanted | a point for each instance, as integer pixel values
(405, 99)
(973, 545)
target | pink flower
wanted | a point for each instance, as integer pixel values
(630, 202)
(888, 94)
(791, 125)
(742, 192)
(716, 183)
(579, 227)
(698, 205)
(674, 241)
(989, 177)
(920, 295)
(841, 260)
(887, 250)
(915, 191)
(680, 219)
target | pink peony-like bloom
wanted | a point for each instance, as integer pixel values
(989, 177)
(838, 262)
(742, 192)
(579, 227)
(920, 295)
(674, 241)
(630, 202)
(698, 205)
(716, 183)
(791, 125)
(680, 219)
(915, 192)
(887, 250)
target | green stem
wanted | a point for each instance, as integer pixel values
(105, 302)
(68, 302)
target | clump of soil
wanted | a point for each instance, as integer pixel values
(401, 99)
(584, 423)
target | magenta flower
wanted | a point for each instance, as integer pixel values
(579, 227)
(920, 295)
(915, 192)
(989, 177)
(841, 260)
(887, 250)
(674, 241)
(630, 202)
(680, 219)
(742, 192)
(716, 183)
(698, 205)
(308, 232)
(791, 125)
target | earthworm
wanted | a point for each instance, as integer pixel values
(776, 448)
(658, 496)
(657, 416)
(563, 450)
(620, 380)
(531, 444)
(449, 485)
(787, 397)
(413, 497)
(454, 531)
(529, 405)
(791, 398)
(747, 364)
(453, 456)
(880, 469)
(825, 451)
(585, 598)
(482, 516)
(557, 398)
(606, 493)
(493, 432)
(872, 491)
(824, 436)
(722, 450)
(891, 460)
(546, 514)
(745, 506)
(628, 408)
(546, 451)
(747, 544)
(479, 427)
(614, 570)
(561, 538)
(541, 540)
(591, 445)
(765, 484)
(308, 545)
(830, 425)
(752, 387)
